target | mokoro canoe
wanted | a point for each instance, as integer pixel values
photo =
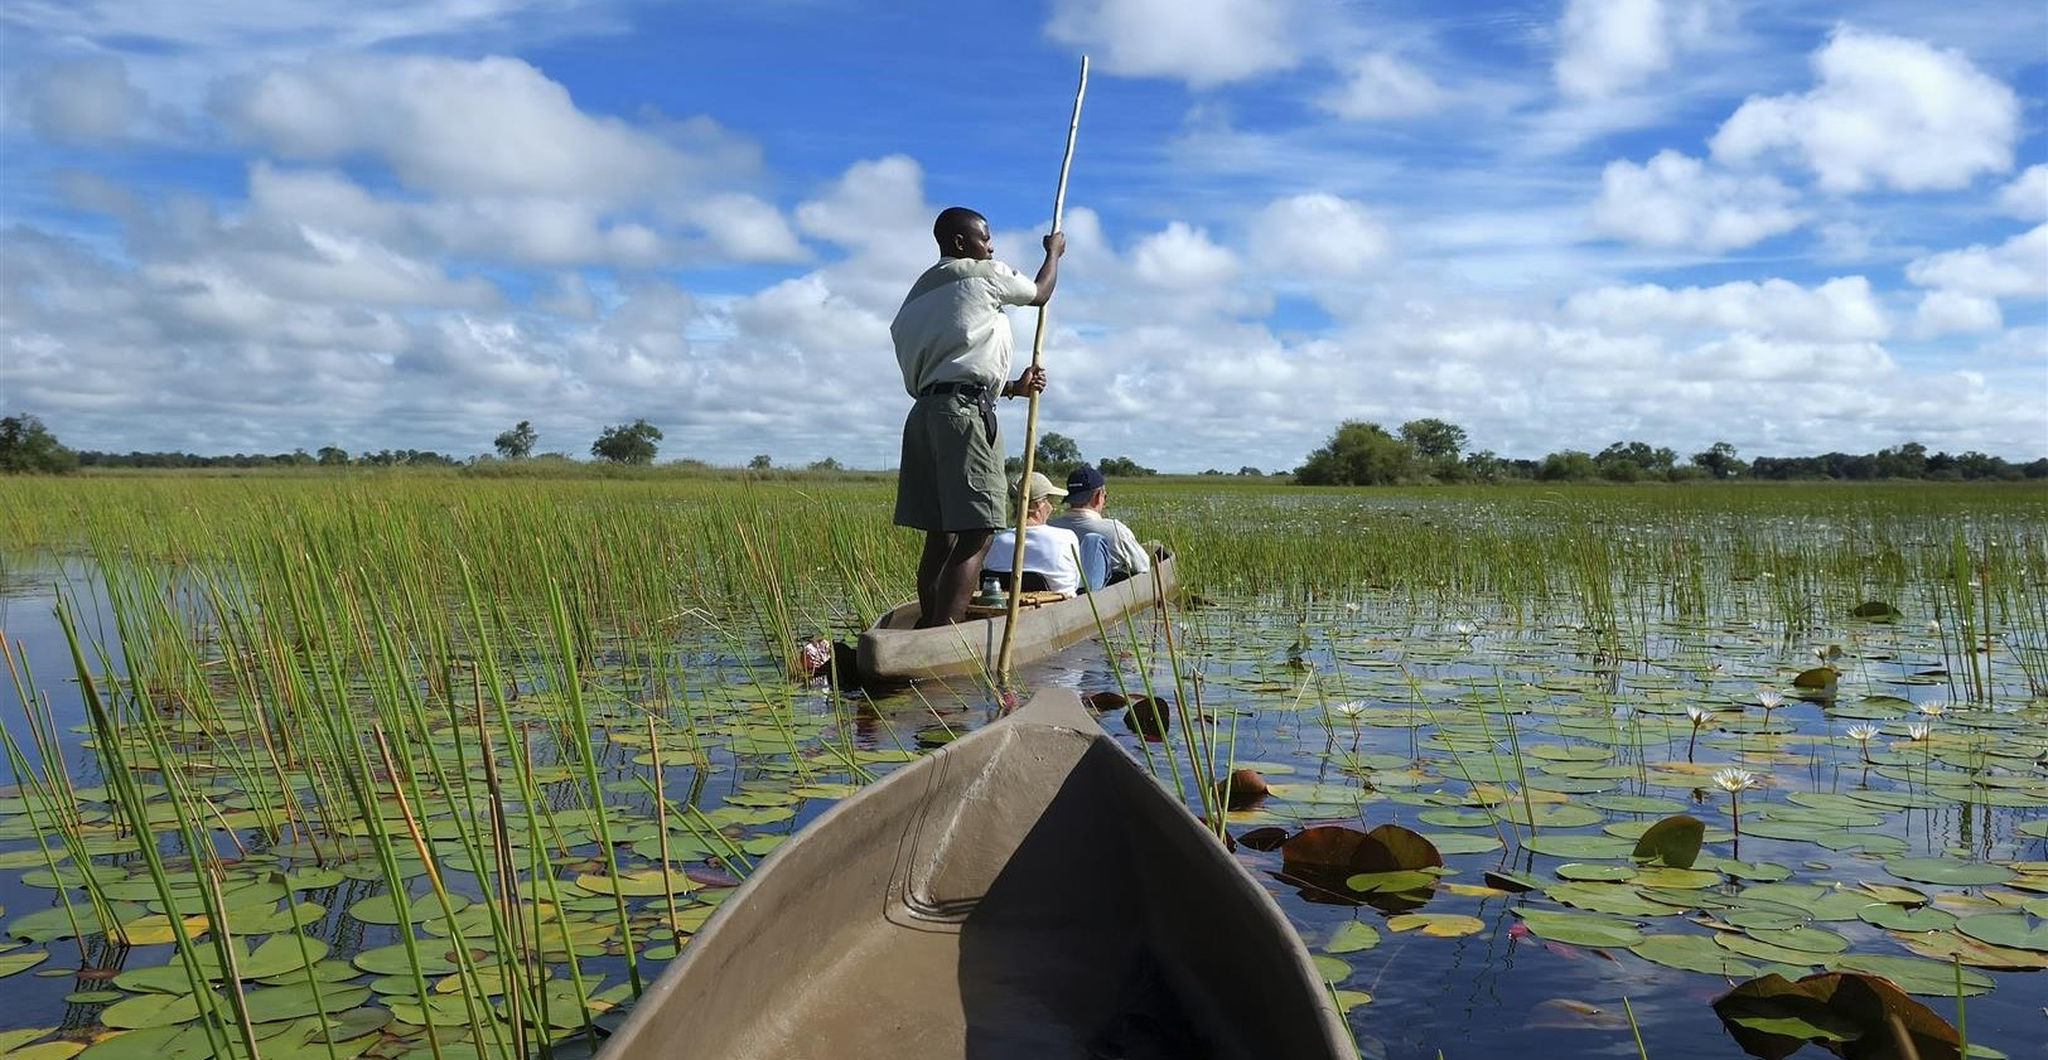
(894, 650)
(1024, 893)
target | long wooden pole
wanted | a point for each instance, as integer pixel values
(1059, 207)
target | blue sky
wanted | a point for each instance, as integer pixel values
(1795, 226)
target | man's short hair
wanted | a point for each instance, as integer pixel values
(955, 220)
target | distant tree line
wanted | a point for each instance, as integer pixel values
(1431, 450)
(1358, 453)
(326, 456)
(1056, 455)
(26, 445)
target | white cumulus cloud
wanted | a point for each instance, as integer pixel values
(2016, 267)
(494, 126)
(1181, 257)
(745, 227)
(1675, 200)
(1751, 358)
(1318, 235)
(1946, 311)
(1383, 86)
(1610, 45)
(875, 201)
(2027, 195)
(1203, 42)
(1841, 310)
(1885, 111)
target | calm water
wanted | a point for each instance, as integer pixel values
(1361, 709)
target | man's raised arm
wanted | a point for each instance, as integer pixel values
(1049, 273)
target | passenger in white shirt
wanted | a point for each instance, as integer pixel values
(1049, 551)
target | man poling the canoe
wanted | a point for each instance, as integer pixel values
(953, 346)
(954, 349)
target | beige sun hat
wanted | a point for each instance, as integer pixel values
(1038, 486)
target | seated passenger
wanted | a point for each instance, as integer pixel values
(1049, 551)
(1086, 496)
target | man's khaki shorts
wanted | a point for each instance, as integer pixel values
(951, 476)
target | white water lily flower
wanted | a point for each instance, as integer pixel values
(1349, 710)
(1918, 731)
(1770, 699)
(1466, 629)
(1698, 716)
(1932, 710)
(1732, 779)
(1859, 733)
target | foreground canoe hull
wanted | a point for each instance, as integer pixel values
(1025, 892)
(892, 650)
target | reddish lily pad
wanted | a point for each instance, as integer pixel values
(1853, 1014)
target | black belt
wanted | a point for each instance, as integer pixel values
(966, 390)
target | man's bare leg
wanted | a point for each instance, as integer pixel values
(937, 546)
(947, 574)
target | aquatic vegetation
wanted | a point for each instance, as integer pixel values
(439, 764)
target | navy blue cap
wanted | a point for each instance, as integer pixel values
(1082, 482)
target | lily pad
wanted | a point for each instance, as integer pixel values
(1584, 929)
(1817, 678)
(1579, 847)
(292, 1002)
(1673, 841)
(11, 1040)
(1772, 1016)
(1949, 871)
(1352, 936)
(21, 961)
(1766, 951)
(151, 1010)
(1441, 925)
(1948, 946)
(1914, 975)
(1462, 842)
(435, 959)
(1803, 938)
(1582, 872)
(169, 1042)
(1636, 804)
(639, 882)
(1900, 918)
(1350, 999)
(1681, 879)
(2011, 930)
(1619, 899)
(1692, 953)
(382, 909)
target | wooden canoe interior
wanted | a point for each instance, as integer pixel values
(1034, 897)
